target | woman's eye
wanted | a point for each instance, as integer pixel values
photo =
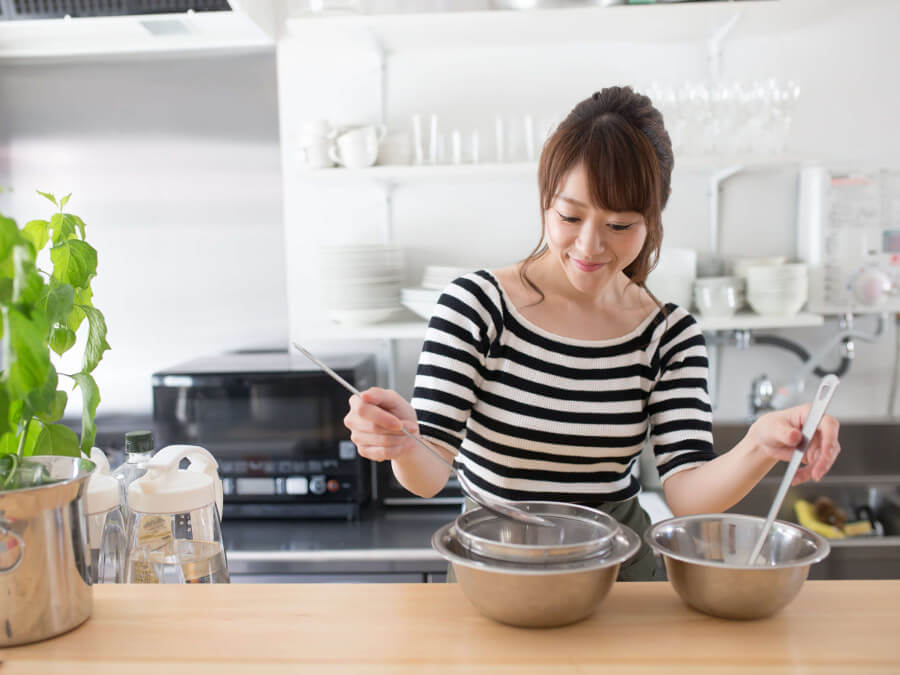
(618, 227)
(567, 219)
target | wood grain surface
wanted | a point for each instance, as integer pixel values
(831, 627)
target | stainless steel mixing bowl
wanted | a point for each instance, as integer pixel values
(535, 594)
(706, 561)
(578, 532)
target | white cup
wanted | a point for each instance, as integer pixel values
(315, 154)
(315, 130)
(358, 147)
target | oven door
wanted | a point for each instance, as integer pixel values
(392, 493)
(279, 438)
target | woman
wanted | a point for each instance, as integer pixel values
(547, 376)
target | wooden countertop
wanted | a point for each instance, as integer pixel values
(846, 627)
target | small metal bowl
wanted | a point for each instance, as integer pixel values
(580, 532)
(706, 561)
(536, 594)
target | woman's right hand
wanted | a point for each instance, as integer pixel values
(376, 420)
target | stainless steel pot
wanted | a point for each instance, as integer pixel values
(45, 564)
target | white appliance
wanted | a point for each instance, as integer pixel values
(849, 234)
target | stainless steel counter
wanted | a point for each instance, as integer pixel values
(385, 544)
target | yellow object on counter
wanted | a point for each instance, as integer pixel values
(806, 517)
(858, 528)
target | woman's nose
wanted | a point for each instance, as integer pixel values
(591, 239)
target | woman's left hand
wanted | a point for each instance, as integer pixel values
(779, 433)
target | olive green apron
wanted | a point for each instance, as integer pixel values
(642, 566)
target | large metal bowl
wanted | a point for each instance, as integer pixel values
(706, 561)
(579, 532)
(535, 594)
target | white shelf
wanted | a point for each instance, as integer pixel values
(416, 329)
(748, 320)
(386, 330)
(123, 35)
(655, 23)
(401, 173)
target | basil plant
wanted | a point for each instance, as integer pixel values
(42, 310)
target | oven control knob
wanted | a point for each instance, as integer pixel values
(317, 485)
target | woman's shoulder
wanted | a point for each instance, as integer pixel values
(478, 290)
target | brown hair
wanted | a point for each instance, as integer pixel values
(619, 137)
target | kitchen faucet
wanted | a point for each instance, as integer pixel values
(766, 396)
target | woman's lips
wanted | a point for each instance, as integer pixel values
(586, 266)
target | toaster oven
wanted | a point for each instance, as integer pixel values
(274, 422)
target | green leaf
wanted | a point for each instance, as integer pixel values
(62, 339)
(6, 291)
(64, 201)
(56, 409)
(79, 223)
(63, 227)
(74, 262)
(9, 236)
(96, 341)
(57, 439)
(83, 296)
(5, 426)
(37, 232)
(9, 443)
(41, 399)
(33, 435)
(57, 302)
(28, 286)
(30, 358)
(90, 400)
(48, 196)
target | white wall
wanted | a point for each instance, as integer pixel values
(841, 56)
(174, 165)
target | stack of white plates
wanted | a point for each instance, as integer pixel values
(777, 289)
(362, 283)
(438, 277)
(420, 300)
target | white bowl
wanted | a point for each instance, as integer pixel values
(677, 289)
(769, 305)
(717, 300)
(359, 317)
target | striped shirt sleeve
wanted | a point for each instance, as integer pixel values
(679, 406)
(461, 329)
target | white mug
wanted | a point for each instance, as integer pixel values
(315, 155)
(315, 129)
(358, 147)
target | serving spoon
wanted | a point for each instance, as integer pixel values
(503, 508)
(819, 404)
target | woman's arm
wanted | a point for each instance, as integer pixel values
(375, 420)
(719, 484)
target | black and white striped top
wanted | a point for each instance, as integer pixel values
(545, 417)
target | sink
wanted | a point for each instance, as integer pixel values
(867, 448)
(866, 473)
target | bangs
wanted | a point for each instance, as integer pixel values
(620, 162)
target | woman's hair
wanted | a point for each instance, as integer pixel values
(619, 137)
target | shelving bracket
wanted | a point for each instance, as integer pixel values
(715, 185)
(714, 47)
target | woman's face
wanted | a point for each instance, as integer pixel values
(591, 245)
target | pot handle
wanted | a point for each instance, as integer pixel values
(19, 544)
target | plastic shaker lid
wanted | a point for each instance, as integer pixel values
(139, 441)
(167, 489)
(102, 489)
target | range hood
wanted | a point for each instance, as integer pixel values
(64, 28)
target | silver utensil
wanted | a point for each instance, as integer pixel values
(820, 403)
(493, 504)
